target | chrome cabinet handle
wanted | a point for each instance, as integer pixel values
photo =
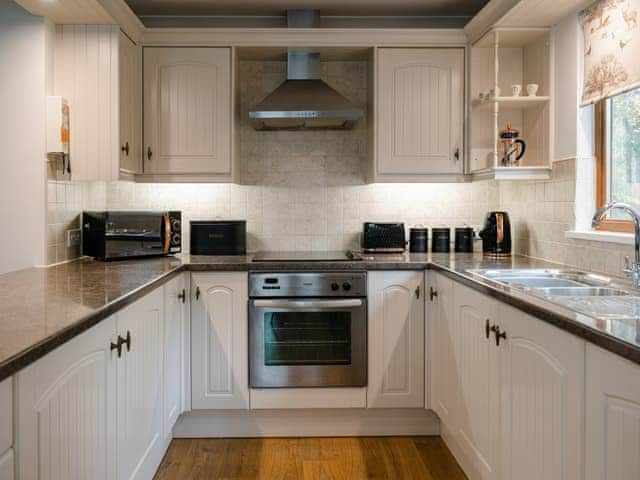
(498, 334)
(127, 341)
(307, 304)
(117, 346)
(183, 296)
(432, 293)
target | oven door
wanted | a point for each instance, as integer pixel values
(308, 343)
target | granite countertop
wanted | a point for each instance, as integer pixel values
(42, 308)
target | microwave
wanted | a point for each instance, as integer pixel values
(112, 235)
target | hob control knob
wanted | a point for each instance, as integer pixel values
(346, 286)
(335, 286)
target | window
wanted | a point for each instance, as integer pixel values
(618, 156)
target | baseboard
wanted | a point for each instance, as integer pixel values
(306, 423)
(451, 441)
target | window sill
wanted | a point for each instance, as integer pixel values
(601, 236)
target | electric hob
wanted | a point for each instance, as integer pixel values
(320, 256)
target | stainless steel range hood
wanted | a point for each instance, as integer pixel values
(303, 101)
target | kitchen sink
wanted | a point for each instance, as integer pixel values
(580, 292)
(537, 282)
(527, 279)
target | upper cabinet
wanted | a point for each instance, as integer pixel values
(511, 96)
(97, 69)
(418, 119)
(188, 113)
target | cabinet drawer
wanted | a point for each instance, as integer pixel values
(6, 415)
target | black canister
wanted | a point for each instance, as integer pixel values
(418, 239)
(464, 239)
(441, 240)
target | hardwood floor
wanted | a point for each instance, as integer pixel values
(352, 458)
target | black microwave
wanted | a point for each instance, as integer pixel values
(112, 235)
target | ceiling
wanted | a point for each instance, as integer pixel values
(340, 8)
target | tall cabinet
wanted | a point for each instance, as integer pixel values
(419, 112)
(188, 113)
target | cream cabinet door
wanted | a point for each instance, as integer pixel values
(187, 111)
(420, 98)
(541, 400)
(130, 105)
(175, 311)
(219, 341)
(67, 410)
(141, 444)
(476, 368)
(396, 339)
(444, 376)
(612, 433)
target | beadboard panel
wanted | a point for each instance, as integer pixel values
(86, 74)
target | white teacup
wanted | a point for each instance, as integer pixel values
(516, 89)
(532, 89)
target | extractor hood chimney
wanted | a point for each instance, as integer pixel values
(303, 101)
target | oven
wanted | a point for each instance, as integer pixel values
(308, 329)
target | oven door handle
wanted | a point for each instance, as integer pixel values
(303, 304)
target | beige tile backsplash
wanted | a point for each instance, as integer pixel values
(306, 191)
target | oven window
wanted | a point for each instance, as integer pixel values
(307, 338)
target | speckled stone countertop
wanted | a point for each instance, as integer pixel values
(42, 308)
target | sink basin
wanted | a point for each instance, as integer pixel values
(533, 278)
(580, 292)
(537, 282)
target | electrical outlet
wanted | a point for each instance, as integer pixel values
(73, 237)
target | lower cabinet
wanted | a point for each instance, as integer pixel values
(512, 400)
(612, 430)
(94, 407)
(396, 339)
(219, 341)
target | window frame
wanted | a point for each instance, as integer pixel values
(602, 116)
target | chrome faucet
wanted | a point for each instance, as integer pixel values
(631, 270)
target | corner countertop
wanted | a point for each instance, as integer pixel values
(42, 308)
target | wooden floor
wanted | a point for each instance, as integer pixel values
(351, 458)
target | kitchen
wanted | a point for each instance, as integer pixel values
(377, 245)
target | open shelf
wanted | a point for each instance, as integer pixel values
(514, 173)
(522, 102)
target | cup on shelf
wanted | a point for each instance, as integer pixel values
(494, 92)
(532, 89)
(516, 89)
(481, 96)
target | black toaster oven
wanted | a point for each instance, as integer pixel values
(384, 237)
(111, 235)
(218, 237)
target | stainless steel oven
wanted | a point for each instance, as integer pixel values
(308, 329)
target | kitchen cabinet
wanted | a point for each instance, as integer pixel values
(476, 367)
(444, 376)
(175, 312)
(612, 405)
(541, 399)
(97, 69)
(419, 98)
(139, 386)
(219, 341)
(6, 430)
(67, 403)
(188, 112)
(130, 70)
(100, 396)
(396, 339)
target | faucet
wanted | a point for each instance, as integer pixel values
(631, 270)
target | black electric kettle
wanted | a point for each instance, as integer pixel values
(496, 235)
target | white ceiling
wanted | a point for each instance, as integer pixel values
(454, 8)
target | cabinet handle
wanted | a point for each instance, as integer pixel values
(117, 346)
(127, 341)
(487, 328)
(197, 293)
(183, 296)
(432, 293)
(498, 334)
(125, 148)
(418, 291)
(149, 153)
(456, 154)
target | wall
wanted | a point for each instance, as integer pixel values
(306, 190)
(22, 183)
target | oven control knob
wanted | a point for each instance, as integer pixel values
(346, 286)
(335, 286)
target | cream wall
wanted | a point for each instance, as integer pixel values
(22, 182)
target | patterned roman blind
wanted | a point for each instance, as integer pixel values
(611, 48)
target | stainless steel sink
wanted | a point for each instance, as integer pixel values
(537, 282)
(580, 292)
(543, 278)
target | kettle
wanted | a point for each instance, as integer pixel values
(509, 142)
(496, 235)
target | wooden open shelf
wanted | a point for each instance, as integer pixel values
(522, 102)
